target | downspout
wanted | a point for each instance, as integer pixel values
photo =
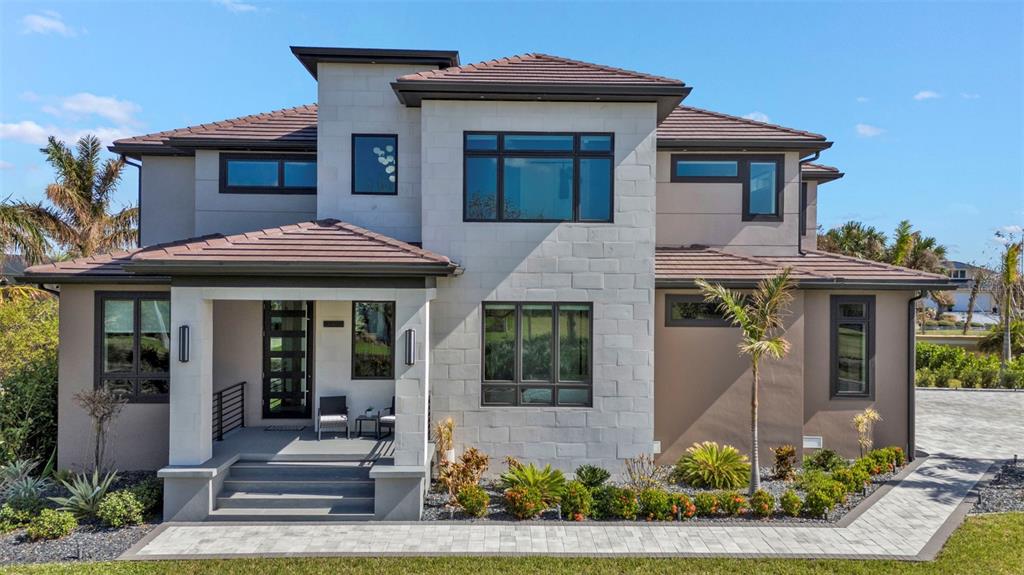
(800, 213)
(911, 370)
(139, 193)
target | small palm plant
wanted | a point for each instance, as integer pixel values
(708, 465)
(549, 482)
(86, 492)
(759, 316)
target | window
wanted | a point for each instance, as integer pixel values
(958, 274)
(760, 176)
(853, 345)
(373, 340)
(530, 177)
(692, 311)
(133, 345)
(375, 164)
(264, 174)
(537, 354)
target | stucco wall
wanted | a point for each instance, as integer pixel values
(712, 214)
(810, 240)
(611, 265)
(138, 438)
(357, 98)
(168, 199)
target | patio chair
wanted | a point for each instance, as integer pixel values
(333, 410)
(386, 418)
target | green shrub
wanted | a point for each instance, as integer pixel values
(790, 503)
(547, 482)
(120, 508)
(706, 503)
(785, 462)
(818, 502)
(576, 501)
(26, 492)
(824, 460)
(655, 504)
(12, 518)
(473, 500)
(86, 492)
(762, 503)
(592, 476)
(524, 502)
(51, 524)
(853, 478)
(710, 466)
(732, 503)
(611, 502)
(150, 493)
(682, 506)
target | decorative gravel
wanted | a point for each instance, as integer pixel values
(1004, 493)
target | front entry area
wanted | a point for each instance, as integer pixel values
(288, 328)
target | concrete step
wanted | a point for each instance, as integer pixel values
(298, 471)
(262, 501)
(351, 488)
(290, 515)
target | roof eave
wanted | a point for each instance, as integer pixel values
(136, 151)
(193, 268)
(240, 144)
(710, 145)
(310, 56)
(823, 178)
(834, 284)
(86, 278)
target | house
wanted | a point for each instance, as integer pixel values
(512, 243)
(986, 307)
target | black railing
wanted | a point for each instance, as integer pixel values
(228, 410)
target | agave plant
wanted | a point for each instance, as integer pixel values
(550, 483)
(15, 471)
(709, 465)
(86, 493)
(25, 492)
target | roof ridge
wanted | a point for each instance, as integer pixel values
(404, 246)
(462, 67)
(882, 265)
(534, 56)
(228, 122)
(605, 68)
(771, 260)
(752, 122)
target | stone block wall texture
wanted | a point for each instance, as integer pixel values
(610, 265)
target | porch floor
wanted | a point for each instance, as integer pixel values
(258, 444)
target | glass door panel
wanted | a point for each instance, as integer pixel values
(287, 373)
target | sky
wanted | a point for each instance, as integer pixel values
(924, 101)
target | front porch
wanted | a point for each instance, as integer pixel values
(268, 444)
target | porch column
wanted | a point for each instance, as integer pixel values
(191, 397)
(412, 383)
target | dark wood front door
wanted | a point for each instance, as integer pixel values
(287, 359)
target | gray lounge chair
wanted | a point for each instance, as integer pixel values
(333, 411)
(386, 419)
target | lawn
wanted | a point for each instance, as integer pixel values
(989, 544)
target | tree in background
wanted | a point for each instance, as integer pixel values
(22, 234)
(1010, 288)
(981, 280)
(854, 239)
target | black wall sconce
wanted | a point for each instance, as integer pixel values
(183, 344)
(410, 347)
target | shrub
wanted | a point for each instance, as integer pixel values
(682, 506)
(548, 483)
(592, 476)
(655, 504)
(853, 478)
(467, 470)
(643, 473)
(524, 502)
(710, 466)
(785, 462)
(85, 494)
(706, 503)
(120, 508)
(611, 502)
(473, 500)
(26, 492)
(824, 460)
(818, 502)
(50, 524)
(762, 503)
(12, 518)
(732, 503)
(576, 501)
(790, 503)
(15, 471)
(150, 493)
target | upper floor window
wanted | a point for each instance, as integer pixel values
(853, 345)
(760, 176)
(133, 344)
(267, 174)
(538, 177)
(375, 164)
(958, 274)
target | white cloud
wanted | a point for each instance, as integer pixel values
(970, 95)
(6, 165)
(926, 95)
(236, 6)
(868, 131)
(47, 22)
(30, 132)
(86, 104)
(862, 99)
(757, 117)
(1015, 230)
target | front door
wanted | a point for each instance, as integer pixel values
(287, 359)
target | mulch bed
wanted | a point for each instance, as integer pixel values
(1004, 493)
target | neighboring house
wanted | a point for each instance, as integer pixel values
(512, 243)
(985, 307)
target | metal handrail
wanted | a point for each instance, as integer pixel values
(228, 410)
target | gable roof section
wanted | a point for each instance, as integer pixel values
(696, 129)
(680, 267)
(287, 129)
(322, 247)
(820, 172)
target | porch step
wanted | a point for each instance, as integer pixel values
(353, 488)
(334, 502)
(298, 471)
(292, 515)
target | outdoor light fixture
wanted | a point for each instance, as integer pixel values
(410, 347)
(183, 344)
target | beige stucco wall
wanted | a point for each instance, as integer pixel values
(168, 199)
(810, 240)
(138, 438)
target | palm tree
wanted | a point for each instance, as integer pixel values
(854, 239)
(79, 220)
(759, 316)
(1009, 277)
(20, 232)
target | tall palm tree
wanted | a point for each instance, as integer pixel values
(854, 239)
(760, 317)
(1009, 277)
(20, 232)
(79, 220)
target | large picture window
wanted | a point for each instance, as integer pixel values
(760, 176)
(537, 354)
(538, 177)
(373, 340)
(375, 164)
(267, 174)
(133, 343)
(852, 345)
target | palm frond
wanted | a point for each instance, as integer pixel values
(120, 230)
(22, 232)
(730, 303)
(108, 179)
(903, 241)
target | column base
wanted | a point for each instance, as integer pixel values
(399, 491)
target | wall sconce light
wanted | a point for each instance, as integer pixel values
(183, 344)
(410, 347)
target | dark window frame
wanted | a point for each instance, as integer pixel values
(742, 177)
(517, 382)
(135, 376)
(353, 165)
(869, 333)
(500, 153)
(309, 355)
(280, 189)
(671, 299)
(352, 332)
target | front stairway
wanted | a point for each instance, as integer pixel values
(296, 490)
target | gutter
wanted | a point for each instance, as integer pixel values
(801, 215)
(138, 241)
(833, 284)
(911, 371)
(276, 269)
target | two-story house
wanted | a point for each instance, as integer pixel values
(512, 243)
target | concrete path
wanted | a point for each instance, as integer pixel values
(910, 521)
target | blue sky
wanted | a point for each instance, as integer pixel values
(924, 101)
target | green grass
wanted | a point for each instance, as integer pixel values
(992, 544)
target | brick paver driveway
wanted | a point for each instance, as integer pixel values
(973, 424)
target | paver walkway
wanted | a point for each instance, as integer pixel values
(910, 521)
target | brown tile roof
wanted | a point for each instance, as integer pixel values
(535, 68)
(688, 124)
(820, 172)
(321, 246)
(681, 266)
